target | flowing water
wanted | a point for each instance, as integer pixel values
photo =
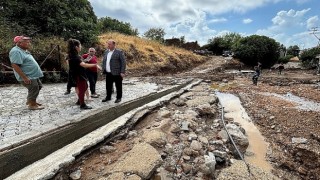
(302, 103)
(257, 145)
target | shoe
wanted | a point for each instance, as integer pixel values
(78, 102)
(84, 106)
(27, 103)
(67, 92)
(35, 107)
(117, 101)
(94, 95)
(106, 99)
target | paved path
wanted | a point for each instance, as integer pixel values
(17, 123)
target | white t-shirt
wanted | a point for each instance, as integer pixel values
(108, 69)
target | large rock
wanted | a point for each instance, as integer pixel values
(155, 138)
(142, 160)
(239, 138)
(164, 113)
(196, 145)
(199, 100)
(239, 170)
(205, 110)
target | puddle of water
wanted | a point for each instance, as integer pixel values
(257, 145)
(303, 104)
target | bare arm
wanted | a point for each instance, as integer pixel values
(17, 68)
(86, 65)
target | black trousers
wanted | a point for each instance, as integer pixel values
(92, 77)
(70, 83)
(110, 79)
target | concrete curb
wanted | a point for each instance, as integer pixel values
(48, 166)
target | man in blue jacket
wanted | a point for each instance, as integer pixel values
(114, 67)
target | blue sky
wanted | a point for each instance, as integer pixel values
(287, 21)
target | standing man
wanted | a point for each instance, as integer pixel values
(114, 67)
(92, 73)
(26, 70)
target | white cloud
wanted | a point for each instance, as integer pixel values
(247, 21)
(178, 17)
(290, 28)
(194, 19)
(313, 22)
(288, 19)
(218, 20)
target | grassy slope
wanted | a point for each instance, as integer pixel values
(149, 57)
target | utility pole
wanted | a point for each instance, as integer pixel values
(315, 31)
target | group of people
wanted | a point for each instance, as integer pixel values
(81, 70)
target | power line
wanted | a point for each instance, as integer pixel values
(315, 31)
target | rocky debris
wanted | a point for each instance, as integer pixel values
(142, 160)
(295, 140)
(155, 137)
(185, 126)
(107, 149)
(210, 162)
(239, 170)
(133, 177)
(206, 110)
(132, 134)
(164, 113)
(117, 175)
(195, 145)
(75, 175)
(239, 138)
(179, 102)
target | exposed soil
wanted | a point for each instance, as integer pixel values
(278, 119)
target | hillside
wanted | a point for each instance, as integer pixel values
(147, 57)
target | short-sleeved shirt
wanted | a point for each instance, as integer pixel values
(27, 63)
(76, 70)
(92, 60)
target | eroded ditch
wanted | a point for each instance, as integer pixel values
(184, 139)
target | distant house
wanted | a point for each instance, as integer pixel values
(294, 59)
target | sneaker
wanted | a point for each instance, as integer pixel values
(67, 92)
(117, 101)
(94, 95)
(84, 107)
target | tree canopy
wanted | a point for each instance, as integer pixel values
(156, 34)
(221, 43)
(69, 18)
(107, 24)
(253, 49)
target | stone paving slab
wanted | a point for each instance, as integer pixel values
(18, 124)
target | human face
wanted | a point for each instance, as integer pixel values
(111, 45)
(92, 52)
(78, 48)
(25, 44)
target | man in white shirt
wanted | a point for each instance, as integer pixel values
(114, 67)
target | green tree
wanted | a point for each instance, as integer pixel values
(293, 50)
(253, 49)
(221, 43)
(69, 18)
(107, 24)
(308, 57)
(156, 34)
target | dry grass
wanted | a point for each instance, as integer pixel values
(152, 57)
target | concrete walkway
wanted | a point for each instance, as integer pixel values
(27, 136)
(18, 124)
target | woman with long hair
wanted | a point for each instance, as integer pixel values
(77, 71)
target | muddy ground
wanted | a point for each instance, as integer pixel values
(293, 134)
